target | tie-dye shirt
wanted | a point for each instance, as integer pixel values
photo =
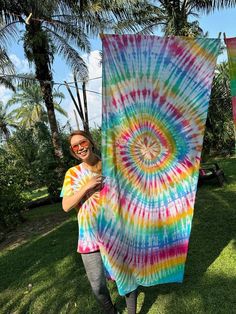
(87, 208)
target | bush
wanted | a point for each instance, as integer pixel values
(11, 193)
(97, 137)
(32, 151)
(219, 136)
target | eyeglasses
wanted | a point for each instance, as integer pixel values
(83, 144)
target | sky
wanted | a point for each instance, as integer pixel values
(219, 21)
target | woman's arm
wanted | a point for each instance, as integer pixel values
(69, 202)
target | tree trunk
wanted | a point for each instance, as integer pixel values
(40, 55)
(81, 109)
(177, 11)
(38, 50)
(178, 19)
(5, 131)
(47, 95)
(86, 124)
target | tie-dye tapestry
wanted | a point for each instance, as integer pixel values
(231, 50)
(155, 100)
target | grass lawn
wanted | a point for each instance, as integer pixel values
(47, 260)
(36, 194)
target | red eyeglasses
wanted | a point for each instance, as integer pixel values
(83, 144)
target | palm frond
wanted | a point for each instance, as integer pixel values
(57, 94)
(8, 32)
(6, 66)
(7, 83)
(212, 5)
(9, 11)
(59, 109)
(71, 56)
(73, 34)
(25, 79)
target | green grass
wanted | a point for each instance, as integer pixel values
(37, 194)
(42, 212)
(59, 285)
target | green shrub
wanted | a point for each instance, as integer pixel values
(12, 198)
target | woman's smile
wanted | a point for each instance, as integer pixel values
(83, 153)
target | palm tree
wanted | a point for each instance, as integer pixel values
(6, 69)
(31, 109)
(6, 66)
(51, 30)
(57, 26)
(6, 122)
(173, 15)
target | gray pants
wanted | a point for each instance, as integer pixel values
(95, 272)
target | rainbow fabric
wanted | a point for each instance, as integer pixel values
(156, 93)
(231, 50)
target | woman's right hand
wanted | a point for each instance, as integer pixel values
(93, 185)
(94, 182)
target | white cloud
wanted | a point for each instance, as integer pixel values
(21, 65)
(94, 88)
(5, 94)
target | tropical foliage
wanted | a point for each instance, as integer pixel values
(29, 155)
(11, 192)
(219, 135)
(27, 158)
(6, 122)
(6, 69)
(6, 66)
(176, 17)
(31, 106)
(56, 27)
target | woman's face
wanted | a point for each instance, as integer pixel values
(81, 147)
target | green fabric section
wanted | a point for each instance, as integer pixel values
(233, 87)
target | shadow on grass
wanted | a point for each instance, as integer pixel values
(59, 283)
(214, 295)
(214, 226)
(55, 270)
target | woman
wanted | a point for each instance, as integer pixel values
(81, 190)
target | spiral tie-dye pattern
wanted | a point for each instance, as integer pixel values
(155, 100)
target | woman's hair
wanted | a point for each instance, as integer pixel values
(83, 133)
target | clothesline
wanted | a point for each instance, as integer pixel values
(30, 78)
(54, 83)
(69, 83)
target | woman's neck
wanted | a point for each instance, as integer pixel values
(93, 160)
